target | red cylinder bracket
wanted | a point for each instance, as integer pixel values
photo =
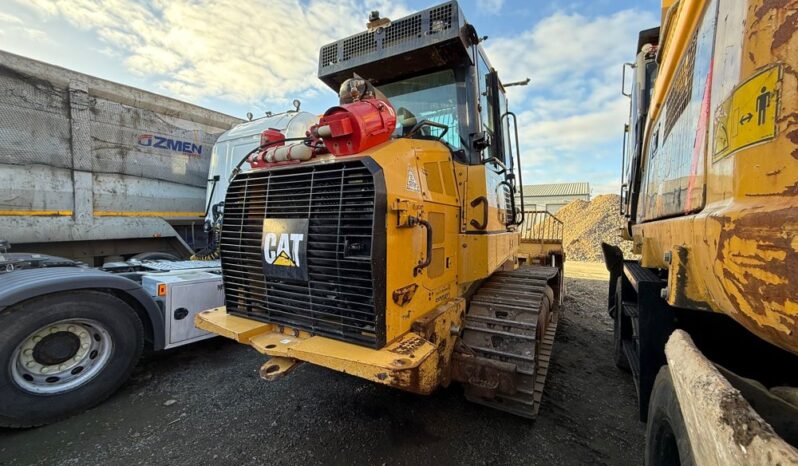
(268, 139)
(352, 128)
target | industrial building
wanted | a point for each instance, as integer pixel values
(551, 197)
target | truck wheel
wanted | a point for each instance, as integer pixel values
(667, 442)
(618, 355)
(64, 353)
(155, 256)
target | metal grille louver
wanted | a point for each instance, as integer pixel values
(402, 30)
(681, 89)
(329, 54)
(344, 202)
(442, 15)
(359, 45)
(433, 27)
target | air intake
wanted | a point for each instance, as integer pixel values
(425, 41)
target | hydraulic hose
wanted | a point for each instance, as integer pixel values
(212, 250)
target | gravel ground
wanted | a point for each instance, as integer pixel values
(223, 413)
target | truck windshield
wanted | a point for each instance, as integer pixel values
(430, 97)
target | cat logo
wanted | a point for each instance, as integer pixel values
(285, 248)
(282, 250)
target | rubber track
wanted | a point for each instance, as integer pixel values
(504, 322)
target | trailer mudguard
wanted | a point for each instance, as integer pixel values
(21, 285)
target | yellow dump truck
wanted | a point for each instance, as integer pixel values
(386, 244)
(706, 319)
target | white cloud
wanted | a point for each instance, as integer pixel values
(572, 112)
(605, 186)
(42, 7)
(239, 51)
(569, 46)
(16, 26)
(263, 53)
(9, 19)
(492, 7)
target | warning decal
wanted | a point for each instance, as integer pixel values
(748, 116)
(412, 182)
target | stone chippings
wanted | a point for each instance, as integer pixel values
(586, 224)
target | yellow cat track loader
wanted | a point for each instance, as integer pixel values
(387, 243)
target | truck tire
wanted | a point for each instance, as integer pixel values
(667, 442)
(155, 256)
(63, 353)
(618, 354)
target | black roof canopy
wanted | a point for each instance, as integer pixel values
(429, 40)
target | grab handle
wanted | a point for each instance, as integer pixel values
(484, 224)
(428, 259)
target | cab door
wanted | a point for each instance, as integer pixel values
(489, 203)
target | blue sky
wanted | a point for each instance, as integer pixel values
(236, 56)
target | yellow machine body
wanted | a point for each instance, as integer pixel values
(400, 263)
(424, 311)
(718, 199)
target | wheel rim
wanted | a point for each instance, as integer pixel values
(61, 356)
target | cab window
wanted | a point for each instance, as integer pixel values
(485, 108)
(430, 97)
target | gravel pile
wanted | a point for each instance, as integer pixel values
(588, 224)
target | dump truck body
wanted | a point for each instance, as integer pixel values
(90, 168)
(718, 162)
(710, 200)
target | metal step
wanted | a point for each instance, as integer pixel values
(630, 310)
(630, 350)
(638, 274)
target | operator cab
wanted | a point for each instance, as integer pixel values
(432, 68)
(643, 73)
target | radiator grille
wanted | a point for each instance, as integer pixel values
(345, 204)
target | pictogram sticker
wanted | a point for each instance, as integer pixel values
(748, 116)
(412, 182)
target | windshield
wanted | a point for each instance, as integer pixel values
(430, 97)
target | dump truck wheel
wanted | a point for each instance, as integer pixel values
(667, 442)
(618, 355)
(64, 353)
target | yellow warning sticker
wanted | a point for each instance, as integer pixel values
(748, 116)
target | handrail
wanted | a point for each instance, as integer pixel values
(518, 164)
(514, 221)
(623, 166)
(623, 79)
(541, 226)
